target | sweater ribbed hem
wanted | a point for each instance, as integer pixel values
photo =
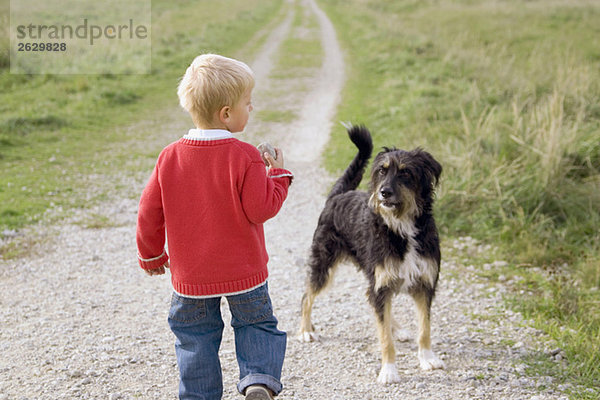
(187, 296)
(220, 288)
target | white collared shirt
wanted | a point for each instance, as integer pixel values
(207, 134)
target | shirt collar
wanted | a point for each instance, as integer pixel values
(207, 134)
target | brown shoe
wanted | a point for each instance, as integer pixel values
(257, 392)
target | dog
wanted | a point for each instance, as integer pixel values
(391, 236)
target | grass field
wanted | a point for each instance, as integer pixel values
(507, 96)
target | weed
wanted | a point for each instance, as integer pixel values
(97, 221)
(24, 125)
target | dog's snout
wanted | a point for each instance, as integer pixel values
(386, 192)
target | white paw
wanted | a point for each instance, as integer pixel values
(429, 361)
(308, 337)
(388, 374)
(403, 335)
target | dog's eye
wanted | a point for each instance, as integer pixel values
(381, 171)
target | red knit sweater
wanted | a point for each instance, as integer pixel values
(212, 196)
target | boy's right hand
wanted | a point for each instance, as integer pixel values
(157, 271)
(274, 162)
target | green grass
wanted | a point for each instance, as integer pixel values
(284, 116)
(505, 95)
(56, 131)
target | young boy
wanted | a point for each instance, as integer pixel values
(212, 194)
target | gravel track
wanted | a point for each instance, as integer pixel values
(80, 320)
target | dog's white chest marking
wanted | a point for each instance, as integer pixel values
(404, 226)
(402, 274)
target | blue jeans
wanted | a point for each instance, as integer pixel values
(198, 328)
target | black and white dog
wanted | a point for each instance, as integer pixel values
(389, 233)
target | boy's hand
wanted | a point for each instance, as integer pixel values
(157, 271)
(274, 162)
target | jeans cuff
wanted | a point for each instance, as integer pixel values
(260, 379)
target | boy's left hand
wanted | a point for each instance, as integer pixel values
(274, 162)
(157, 271)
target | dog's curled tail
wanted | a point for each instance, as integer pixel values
(350, 179)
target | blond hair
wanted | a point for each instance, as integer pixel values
(210, 83)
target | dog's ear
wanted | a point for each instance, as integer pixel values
(431, 167)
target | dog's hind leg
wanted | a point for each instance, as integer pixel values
(322, 264)
(307, 330)
(382, 303)
(427, 359)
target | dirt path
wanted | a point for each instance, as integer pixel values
(79, 320)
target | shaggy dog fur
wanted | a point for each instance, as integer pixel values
(389, 233)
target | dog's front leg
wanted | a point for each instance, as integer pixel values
(427, 358)
(388, 373)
